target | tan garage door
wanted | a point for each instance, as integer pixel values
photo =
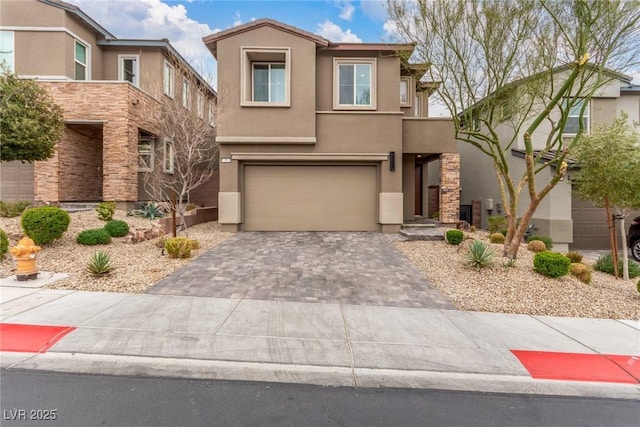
(310, 198)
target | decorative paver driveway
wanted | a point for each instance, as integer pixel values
(348, 268)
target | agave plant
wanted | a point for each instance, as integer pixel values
(100, 264)
(150, 211)
(479, 255)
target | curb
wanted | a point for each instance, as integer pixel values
(330, 376)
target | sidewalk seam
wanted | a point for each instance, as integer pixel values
(348, 342)
(227, 316)
(562, 333)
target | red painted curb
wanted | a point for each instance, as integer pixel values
(30, 338)
(551, 365)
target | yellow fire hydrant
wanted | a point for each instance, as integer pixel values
(25, 255)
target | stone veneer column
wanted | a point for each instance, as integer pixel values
(449, 188)
(46, 179)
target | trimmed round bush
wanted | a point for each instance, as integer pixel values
(496, 238)
(547, 240)
(4, 243)
(581, 271)
(117, 228)
(605, 264)
(551, 264)
(94, 236)
(45, 224)
(454, 237)
(536, 246)
(574, 256)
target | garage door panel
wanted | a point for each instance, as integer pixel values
(310, 198)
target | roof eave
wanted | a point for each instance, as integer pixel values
(80, 14)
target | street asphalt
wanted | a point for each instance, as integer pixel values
(326, 343)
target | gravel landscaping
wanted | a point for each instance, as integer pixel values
(515, 289)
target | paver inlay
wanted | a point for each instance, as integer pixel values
(328, 267)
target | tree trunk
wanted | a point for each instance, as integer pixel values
(625, 252)
(612, 238)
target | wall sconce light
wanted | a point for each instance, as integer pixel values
(392, 161)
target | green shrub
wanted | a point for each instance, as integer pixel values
(94, 236)
(638, 285)
(581, 271)
(45, 224)
(195, 245)
(536, 246)
(473, 229)
(574, 256)
(548, 243)
(13, 209)
(454, 237)
(178, 247)
(99, 264)
(117, 228)
(479, 254)
(496, 223)
(4, 243)
(496, 238)
(551, 264)
(106, 210)
(605, 264)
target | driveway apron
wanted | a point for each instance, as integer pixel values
(322, 267)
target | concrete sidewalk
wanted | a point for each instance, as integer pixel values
(328, 344)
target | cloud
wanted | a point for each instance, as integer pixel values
(346, 9)
(237, 19)
(374, 9)
(333, 32)
(154, 19)
(391, 30)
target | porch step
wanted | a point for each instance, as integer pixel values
(421, 232)
(78, 206)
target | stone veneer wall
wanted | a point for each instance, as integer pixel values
(80, 162)
(449, 188)
(122, 109)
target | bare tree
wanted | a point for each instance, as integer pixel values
(188, 147)
(525, 65)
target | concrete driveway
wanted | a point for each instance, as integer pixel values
(325, 267)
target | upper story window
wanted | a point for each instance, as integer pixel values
(186, 94)
(200, 104)
(169, 157)
(128, 69)
(265, 77)
(168, 78)
(212, 114)
(7, 50)
(81, 60)
(145, 153)
(405, 91)
(572, 125)
(417, 105)
(354, 84)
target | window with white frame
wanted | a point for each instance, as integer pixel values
(168, 156)
(575, 115)
(128, 68)
(405, 91)
(354, 83)
(212, 114)
(200, 104)
(7, 50)
(417, 105)
(265, 76)
(145, 153)
(168, 78)
(81, 60)
(186, 94)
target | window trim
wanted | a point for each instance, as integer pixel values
(167, 145)
(200, 104)
(586, 115)
(186, 93)
(168, 82)
(87, 70)
(151, 143)
(12, 53)
(212, 114)
(136, 73)
(409, 102)
(261, 54)
(336, 83)
(417, 108)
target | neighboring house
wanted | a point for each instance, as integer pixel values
(316, 135)
(110, 90)
(569, 221)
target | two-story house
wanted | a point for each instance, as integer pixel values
(110, 90)
(316, 135)
(571, 223)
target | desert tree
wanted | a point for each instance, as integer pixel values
(527, 65)
(31, 123)
(609, 174)
(186, 145)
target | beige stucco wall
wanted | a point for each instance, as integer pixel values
(428, 135)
